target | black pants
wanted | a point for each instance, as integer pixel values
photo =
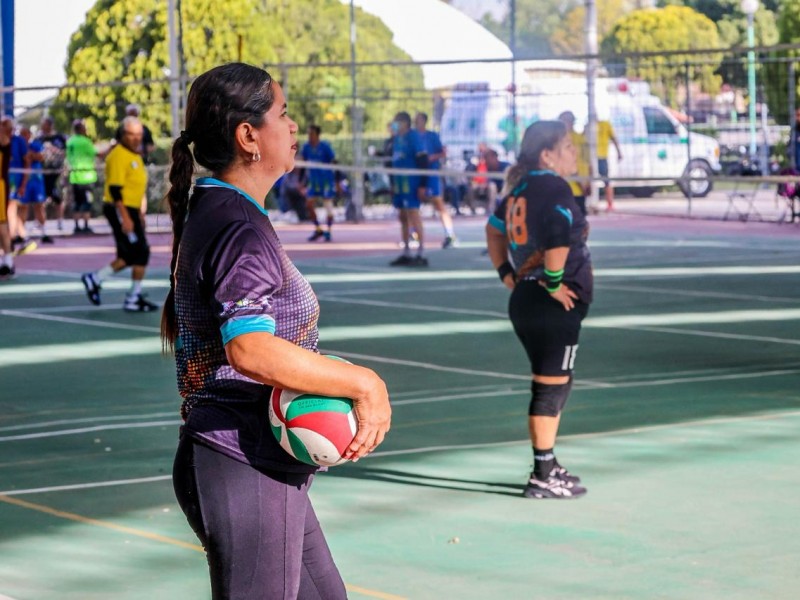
(261, 536)
(134, 251)
(548, 333)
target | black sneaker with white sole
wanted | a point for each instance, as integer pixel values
(92, 288)
(562, 473)
(138, 303)
(552, 487)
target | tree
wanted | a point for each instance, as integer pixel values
(776, 72)
(658, 30)
(123, 41)
(535, 22)
(568, 38)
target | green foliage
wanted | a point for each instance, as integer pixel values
(664, 29)
(536, 21)
(777, 73)
(566, 39)
(126, 40)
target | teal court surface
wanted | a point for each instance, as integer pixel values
(684, 424)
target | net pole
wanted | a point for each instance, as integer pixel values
(591, 76)
(357, 180)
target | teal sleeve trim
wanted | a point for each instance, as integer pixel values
(239, 326)
(178, 343)
(497, 224)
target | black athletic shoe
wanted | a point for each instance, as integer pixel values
(563, 474)
(138, 303)
(316, 235)
(46, 239)
(7, 272)
(418, 261)
(449, 242)
(92, 288)
(401, 261)
(327, 236)
(552, 487)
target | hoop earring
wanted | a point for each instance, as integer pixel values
(256, 156)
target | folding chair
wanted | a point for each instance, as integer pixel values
(742, 198)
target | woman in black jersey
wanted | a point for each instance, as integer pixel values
(242, 319)
(537, 243)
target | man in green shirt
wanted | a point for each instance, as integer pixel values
(81, 155)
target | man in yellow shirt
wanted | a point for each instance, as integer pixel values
(580, 189)
(605, 135)
(125, 189)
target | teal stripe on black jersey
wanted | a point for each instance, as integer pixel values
(497, 224)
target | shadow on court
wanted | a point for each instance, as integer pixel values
(399, 477)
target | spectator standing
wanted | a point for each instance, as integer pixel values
(54, 147)
(606, 136)
(580, 189)
(81, 155)
(126, 182)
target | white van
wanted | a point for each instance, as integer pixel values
(655, 145)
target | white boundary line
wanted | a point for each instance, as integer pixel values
(86, 420)
(599, 434)
(429, 366)
(85, 486)
(454, 447)
(73, 321)
(63, 432)
(424, 400)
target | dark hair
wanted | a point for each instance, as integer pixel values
(423, 115)
(540, 136)
(219, 101)
(404, 117)
(316, 129)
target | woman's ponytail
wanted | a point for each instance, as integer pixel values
(180, 179)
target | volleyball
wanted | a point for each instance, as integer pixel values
(313, 429)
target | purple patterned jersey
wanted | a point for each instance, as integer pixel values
(234, 277)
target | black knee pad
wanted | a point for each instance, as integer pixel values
(549, 400)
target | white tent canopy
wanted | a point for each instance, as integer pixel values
(430, 30)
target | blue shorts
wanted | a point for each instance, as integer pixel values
(34, 191)
(404, 193)
(434, 187)
(602, 167)
(319, 188)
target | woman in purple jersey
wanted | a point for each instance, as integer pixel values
(242, 319)
(537, 243)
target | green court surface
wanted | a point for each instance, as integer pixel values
(684, 424)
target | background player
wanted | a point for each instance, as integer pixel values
(432, 146)
(125, 187)
(537, 243)
(408, 190)
(321, 182)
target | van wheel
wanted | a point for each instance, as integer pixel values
(701, 184)
(643, 192)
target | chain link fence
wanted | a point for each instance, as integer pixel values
(693, 136)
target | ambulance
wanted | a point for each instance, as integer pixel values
(657, 150)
